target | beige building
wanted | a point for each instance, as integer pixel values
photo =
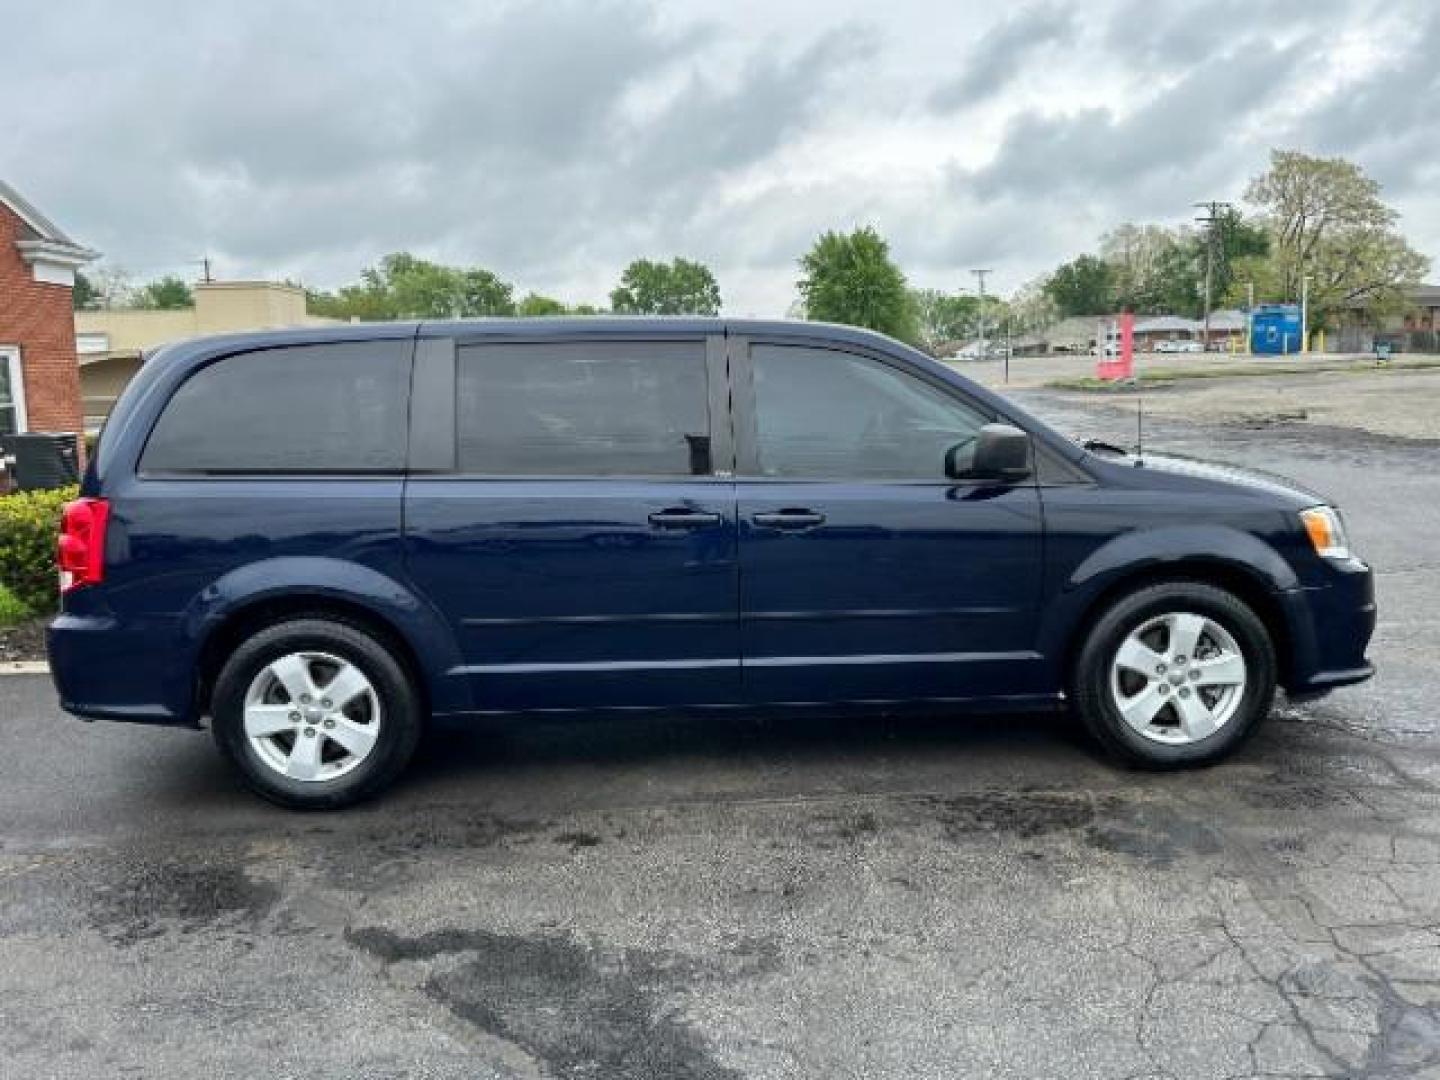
(110, 343)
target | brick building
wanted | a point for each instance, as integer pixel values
(39, 375)
(1415, 328)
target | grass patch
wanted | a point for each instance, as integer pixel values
(12, 611)
(1153, 376)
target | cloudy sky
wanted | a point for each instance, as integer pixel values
(554, 141)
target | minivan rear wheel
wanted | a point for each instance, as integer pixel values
(315, 713)
(1174, 674)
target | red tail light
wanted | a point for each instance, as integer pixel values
(81, 553)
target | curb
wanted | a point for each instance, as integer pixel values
(24, 667)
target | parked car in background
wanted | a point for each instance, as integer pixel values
(315, 541)
(974, 351)
(1179, 345)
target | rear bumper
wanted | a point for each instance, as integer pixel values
(106, 670)
(1330, 629)
(1320, 684)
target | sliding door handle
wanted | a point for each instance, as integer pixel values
(683, 518)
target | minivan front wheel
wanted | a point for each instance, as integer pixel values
(315, 713)
(1174, 674)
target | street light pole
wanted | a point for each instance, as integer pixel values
(1205, 333)
(1304, 314)
(1249, 316)
(1009, 347)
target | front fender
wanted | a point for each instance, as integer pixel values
(422, 627)
(1149, 548)
(1144, 552)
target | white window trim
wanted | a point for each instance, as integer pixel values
(10, 356)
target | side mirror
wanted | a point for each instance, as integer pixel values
(1002, 452)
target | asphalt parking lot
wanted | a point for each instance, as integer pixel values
(658, 898)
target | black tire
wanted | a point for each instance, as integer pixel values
(401, 714)
(1090, 687)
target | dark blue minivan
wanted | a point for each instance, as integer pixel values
(317, 540)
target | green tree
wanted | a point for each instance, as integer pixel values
(942, 318)
(1326, 221)
(534, 305)
(112, 285)
(421, 289)
(1237, 241)
(482, 293)
(1151, 269)
(1160, 271)
(84, 295)
(1179, 284)
(350, 302)
(1083, 286)
(320, 302)
(850, 278)
(1031, 308)
(165, 294)
(404, 287)
(680, 287)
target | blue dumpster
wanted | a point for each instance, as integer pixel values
(1275, 329)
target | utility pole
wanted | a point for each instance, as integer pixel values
(980, 277)
(204, 262)
(1211, 221)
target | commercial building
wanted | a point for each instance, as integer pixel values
(1415, 328)
(1075, 334)
(1227, 328)
(112, 342)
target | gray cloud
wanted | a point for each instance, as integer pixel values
(1389, 118)
(1160, 147)
(1146, 34)
(501, 138)
(1000, 56)
(553, 142)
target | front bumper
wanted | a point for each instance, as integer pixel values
(1330, 629)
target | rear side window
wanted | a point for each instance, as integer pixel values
(305, 409)
(583, 409)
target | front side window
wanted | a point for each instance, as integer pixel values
(583, 409)
(820, 413)
(300, 409)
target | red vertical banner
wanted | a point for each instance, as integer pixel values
(1116, 348)
(1127, 345)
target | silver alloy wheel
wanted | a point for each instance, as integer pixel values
(312, 716)
(1178, 678)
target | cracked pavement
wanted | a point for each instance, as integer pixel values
(682, 898)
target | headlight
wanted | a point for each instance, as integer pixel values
(1326, 532)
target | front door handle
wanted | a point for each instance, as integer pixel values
(789, 519)
(680, 517)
